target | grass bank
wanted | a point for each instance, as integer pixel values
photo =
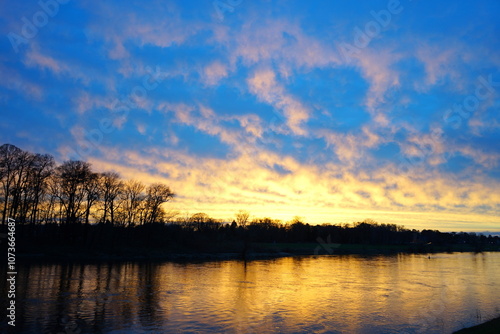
(490, 327)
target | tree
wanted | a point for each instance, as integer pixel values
(198, 220)
(52, 203)
(8, 167)
(93, 194)
(132, 197)
(71, 179)
(242, 217)
(156, 195)
(39, 170)
(20, 190)
(298, 230)
(170, 215)
(111, 187)
(21, 176)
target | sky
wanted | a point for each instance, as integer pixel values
(334, 111)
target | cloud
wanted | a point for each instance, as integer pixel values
(377, 67)
(430, 147)
(214, 72)
(206, 120)
(251, 123)
(222, 186)
(351, 148)
(263, 83)
(266, 40)
(441, 62)
(489, 160)
(85, 102)
(138, 25)
(142, 128)
(21, 84)
(36, 58)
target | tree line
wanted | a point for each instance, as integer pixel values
(34, 190)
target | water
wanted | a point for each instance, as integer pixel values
(325, 294)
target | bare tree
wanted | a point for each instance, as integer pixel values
(31, 189)
(170, 215)
(198, 220)
(242, 217)
(157, 194)
(52, 209)
(184, 219)
(39, 170)
(12, 163)
(71, 179)
(111, 188)
(93, 194)
(132, 197)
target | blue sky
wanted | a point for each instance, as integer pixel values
(331, 110)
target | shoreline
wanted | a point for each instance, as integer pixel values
(255, 252)
(489, 327)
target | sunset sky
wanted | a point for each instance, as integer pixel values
(335, 111)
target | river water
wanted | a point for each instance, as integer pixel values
(322, 294)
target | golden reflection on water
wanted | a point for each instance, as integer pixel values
(326, 294)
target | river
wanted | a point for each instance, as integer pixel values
(403, 293)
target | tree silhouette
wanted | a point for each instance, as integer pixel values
(72, 178)
(132, 198)
(242, 217)
(156, 195)
(111, 187)
(10, 166)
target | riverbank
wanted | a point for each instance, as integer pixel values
(230, 251)
(490, 327)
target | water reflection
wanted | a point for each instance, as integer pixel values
(329, 294)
